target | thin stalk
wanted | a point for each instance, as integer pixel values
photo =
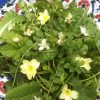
(52, 82)
(90, 77)
(80, 20)
(19, 64)
(42, 85)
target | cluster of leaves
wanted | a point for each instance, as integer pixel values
(58, 65)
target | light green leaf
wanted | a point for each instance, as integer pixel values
(9, 51)
(23, 92)
(10, 17)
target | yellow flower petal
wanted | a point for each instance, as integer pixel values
(31, 74)
(43, 17)
(26, 62)
(35, 63)
(86, 62)
(28, 32)
(68, 94)
(68, 19)
(74, 94)
(65, 87)
(15, 39)
(86, 66)
(43, 45)
(30, 68)
(63, 96)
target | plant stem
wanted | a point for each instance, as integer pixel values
(69, 77)
(42, 85)
(90, 77)
(19, 64)
(80, 20)
(52, 82)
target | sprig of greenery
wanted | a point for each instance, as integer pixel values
(65, 42)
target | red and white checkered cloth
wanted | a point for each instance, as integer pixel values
(92, 5)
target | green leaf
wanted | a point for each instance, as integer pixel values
(9, 36)
(9, 51)
(23, 92)
(85, 92)
(98, 44)
(10, 17)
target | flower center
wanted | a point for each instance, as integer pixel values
(30, 69)
(68, 92)
(45, 17)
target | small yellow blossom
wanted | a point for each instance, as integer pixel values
(30, 68)
(68, 94)
(68, 19)
(98, 91)
(36, 98)
(15, 39)
(43, 17)
(43, 45)
(83, 31)
(28, 32)
(10, 27)
(85, 61)
(61, 37)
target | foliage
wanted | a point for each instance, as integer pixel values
(26, 91)
(58, 65)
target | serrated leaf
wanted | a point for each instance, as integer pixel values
(8, 37)
(10, 17)
(9, 51)
(23, 92)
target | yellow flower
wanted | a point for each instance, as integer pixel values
(85, 61)
(36, 98)
(28, 32)
(10, 27)
(68, 19)
(98, 91)
(43, 45)
(79, 58)
(30, 68)
(68, 94)
(61, 37)
(15, 39)
(83, 31)
(43, 17)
